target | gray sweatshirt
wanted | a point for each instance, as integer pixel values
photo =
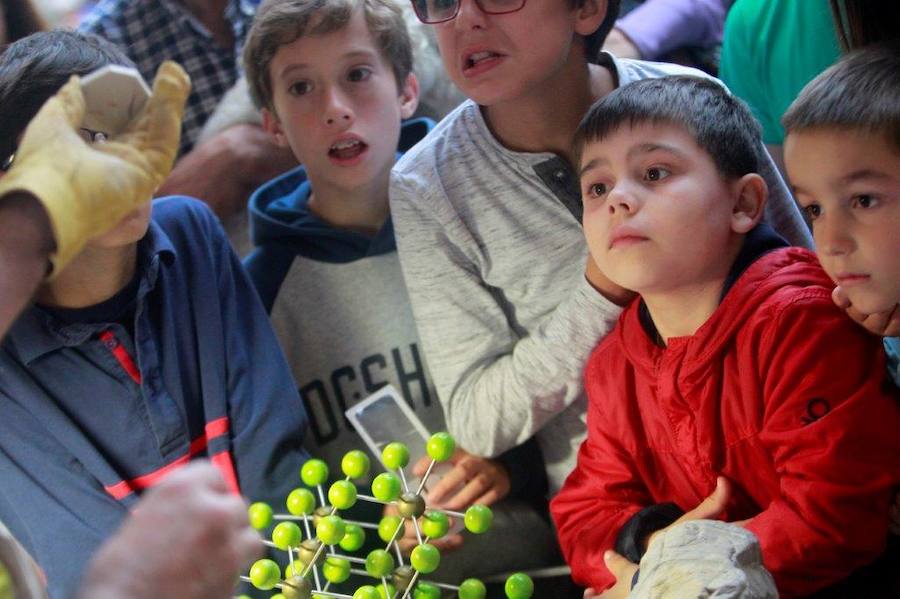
(493, 254)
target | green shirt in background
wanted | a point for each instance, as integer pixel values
(771, 49)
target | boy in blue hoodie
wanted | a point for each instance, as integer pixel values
(148, 350)
(334, 81)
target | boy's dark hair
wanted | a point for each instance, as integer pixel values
(20, 19)
(281, 22)
(594, 42)
(859, 23)
(35, 67)
(719, 122)
(861, 91)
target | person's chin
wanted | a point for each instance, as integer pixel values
(871, 301)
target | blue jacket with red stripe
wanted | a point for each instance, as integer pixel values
(91, 415)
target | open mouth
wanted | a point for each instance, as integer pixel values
(347, 149)
(473, 60)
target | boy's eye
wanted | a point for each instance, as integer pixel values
(812, 211)
(596, 190)
(359, 74)
(300, 88)
(863, 201)
(656, 173)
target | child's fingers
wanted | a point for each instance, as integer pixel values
(616, 563)
(421, 466)
(711, 507)
(456, 477)
(474, 491)
(840, 299)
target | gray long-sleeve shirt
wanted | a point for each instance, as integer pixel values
(493, 254)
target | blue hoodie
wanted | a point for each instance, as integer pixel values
(339, 306)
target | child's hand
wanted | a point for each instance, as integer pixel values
(478, 480)
(708, 509)
(884, 324)
(623, 570)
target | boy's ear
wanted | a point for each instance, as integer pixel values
(409, 96)
(750, 195)
(273, 127)
(589, 16)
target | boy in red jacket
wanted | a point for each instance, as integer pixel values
(733, 375)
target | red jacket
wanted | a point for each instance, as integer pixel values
(778, 391)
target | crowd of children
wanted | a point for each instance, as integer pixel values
(590, 272)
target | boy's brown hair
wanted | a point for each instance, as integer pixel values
(280, 22)
(861, 91)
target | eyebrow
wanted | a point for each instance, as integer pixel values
(299, 66)
(865, 174)
(641, 149)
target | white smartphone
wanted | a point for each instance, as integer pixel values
(385, 417)
(113, 95)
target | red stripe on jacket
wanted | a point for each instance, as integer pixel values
(221, 460)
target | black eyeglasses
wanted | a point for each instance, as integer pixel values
(438, 11)
(88, 135)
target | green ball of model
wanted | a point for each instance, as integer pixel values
(294, 568)
(387, 527)
(472, 588)
(355, 464)
(386, 487)
(354, 538)
(278, 596)
(425, 558)
(265, 574)
(342, 494)
(323, 511)
(434, 524)
(519, 586)
(330, 530)
(392, 590)
(395, 455)
(260, 515)
(440, 447)
(314, 473)
(478, 519)
(366, 592)
(301, 502)
(411, 505)
(296, 588)
(426, 590)
(286, 535)
(379, 563)
(336, 569)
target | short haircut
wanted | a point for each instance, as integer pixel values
(719, 122)
(594, 42)
(281, 22)
(33, 68)
(861, 91)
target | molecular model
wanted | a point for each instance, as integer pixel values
(314, 557)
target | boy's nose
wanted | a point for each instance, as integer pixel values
(469, 15)
(621, 199)
(336, 111)
(832, 236)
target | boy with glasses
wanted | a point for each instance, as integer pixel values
(487, 214)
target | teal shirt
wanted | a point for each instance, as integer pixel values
(770, 50)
